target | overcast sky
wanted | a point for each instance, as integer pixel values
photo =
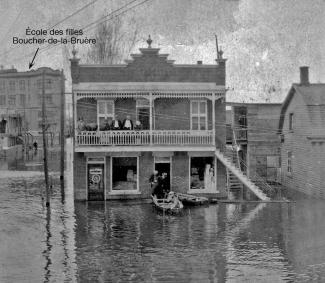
(265, 41)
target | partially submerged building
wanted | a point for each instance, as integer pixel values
(21, 93)
(178, 120)
(10, 135)
(302, 132)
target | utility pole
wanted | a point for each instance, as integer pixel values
(62, 135)
(46, 172)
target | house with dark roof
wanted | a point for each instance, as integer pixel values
(302, 131)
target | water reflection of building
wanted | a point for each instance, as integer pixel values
(143, 115)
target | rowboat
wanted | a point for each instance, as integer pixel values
(188, 199)
(171, 204)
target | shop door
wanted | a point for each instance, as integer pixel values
(164, 168)
(96, 182)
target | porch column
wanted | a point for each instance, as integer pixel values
(150, 112)
(213, 118)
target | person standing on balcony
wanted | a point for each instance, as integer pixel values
(127, 123)
(81, 124)
(116, 124)
(105, 126)
(138, 126)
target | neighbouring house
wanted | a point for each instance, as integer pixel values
(21, 92)
(302, 132)
(10, 135)
(254, 129)
(148, 114)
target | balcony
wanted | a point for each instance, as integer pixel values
(147, 137)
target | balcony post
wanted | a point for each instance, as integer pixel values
(213, 118)
(150, 111)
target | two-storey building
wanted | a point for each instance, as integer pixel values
(302, 132)
(178, 116)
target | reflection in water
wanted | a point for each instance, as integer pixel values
(122, 242)
(47, 251)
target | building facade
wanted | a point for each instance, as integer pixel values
(301, 128)
(21, 93)
(178, 120)
(255, 133)
(10, 135)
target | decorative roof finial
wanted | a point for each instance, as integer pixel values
(149, 41)
(220, 53)
(74, 51)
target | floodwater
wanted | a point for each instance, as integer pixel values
(131, 242)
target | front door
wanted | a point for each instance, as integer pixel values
(96, 181)
(164, 168)
(143, 116)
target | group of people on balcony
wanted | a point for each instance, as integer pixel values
(107, 125)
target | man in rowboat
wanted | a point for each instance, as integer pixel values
(156, 185)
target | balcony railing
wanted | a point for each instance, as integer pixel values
(155, 137)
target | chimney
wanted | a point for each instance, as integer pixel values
(199, 62)
(304, 75)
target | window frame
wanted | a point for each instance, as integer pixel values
(123, 192)
(2, 100)
(291, 122)
(10, 98)
(12, 85)
(199, 115)
(289, 162)
(205, 190)
(99, 115)
(22, 85)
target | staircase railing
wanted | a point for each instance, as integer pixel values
(262, 184)
(236, 146)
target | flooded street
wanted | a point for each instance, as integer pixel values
(129, 242)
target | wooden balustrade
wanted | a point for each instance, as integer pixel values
(159, 137)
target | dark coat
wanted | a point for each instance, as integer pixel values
(119, 123)
(124, 125)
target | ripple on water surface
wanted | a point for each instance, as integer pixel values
(121, 242)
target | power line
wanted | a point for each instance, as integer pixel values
(49, 46)
(61, 21)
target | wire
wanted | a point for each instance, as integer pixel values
(49, 46)
(61, 21)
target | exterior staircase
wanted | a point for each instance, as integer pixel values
(233, 183)
(238, 178)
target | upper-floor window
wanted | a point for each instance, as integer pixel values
(2, 86)
(48, 83)
(199, 117)
(22, 99)
(39, 84)
(22, 85)
(2, 100)
(289, 162)
(12, 100)
(105, 110)
(12, 85)
(48, 99)
(291, 122)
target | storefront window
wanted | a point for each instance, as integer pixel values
(124, 173)
(202, 173)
